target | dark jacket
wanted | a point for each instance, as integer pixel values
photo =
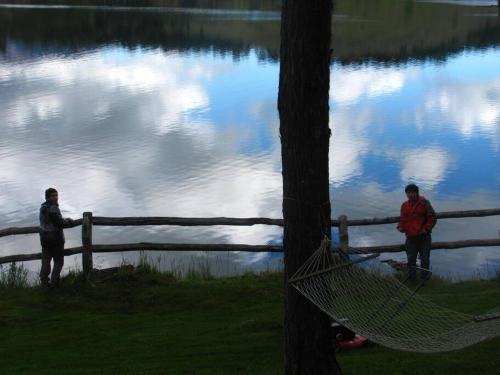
(417, 216)
(51, 225)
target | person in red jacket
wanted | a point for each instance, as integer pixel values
(417, 220)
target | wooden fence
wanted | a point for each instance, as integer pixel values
(88, 247)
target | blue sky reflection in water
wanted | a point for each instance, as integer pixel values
(146, 131)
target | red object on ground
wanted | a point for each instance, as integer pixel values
(355, 343)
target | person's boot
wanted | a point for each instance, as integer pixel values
(424, 278)
(45, 285)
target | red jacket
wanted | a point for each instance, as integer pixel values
(417, 216)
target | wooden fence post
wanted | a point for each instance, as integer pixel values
(87, 244)
(343, 234)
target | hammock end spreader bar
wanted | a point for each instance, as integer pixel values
(295, 278)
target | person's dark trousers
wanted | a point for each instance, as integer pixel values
(56, 252)
(418, 245)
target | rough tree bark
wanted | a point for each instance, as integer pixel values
(305, 136)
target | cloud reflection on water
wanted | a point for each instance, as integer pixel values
(427, 166)
(143, 144)
(350, 86)
(144, 132)
(472, 107)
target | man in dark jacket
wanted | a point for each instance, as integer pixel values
(417, 220)
(52, 238)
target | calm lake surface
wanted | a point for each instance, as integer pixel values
(171, 111)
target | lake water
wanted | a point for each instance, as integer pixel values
(161, 111)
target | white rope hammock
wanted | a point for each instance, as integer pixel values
(384, 310)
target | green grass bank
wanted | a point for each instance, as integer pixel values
(145, 322)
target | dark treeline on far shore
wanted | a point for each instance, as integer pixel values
(377, 30)
(211, 4)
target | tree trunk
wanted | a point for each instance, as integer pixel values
(305, 136)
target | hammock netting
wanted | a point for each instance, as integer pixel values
(384, 310)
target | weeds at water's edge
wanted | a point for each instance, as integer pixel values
(13, 276)
(197, 269)
(200, 268)
(149, 269)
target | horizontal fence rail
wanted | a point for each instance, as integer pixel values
(15, 230)
(88, 248)
(152, 246)
(434, 246)
(194, 221)
(149, 246)
(12, 231)
(36, 256)
(440, 215)
(185, 221)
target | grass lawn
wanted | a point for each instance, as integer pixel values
(148, 323)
